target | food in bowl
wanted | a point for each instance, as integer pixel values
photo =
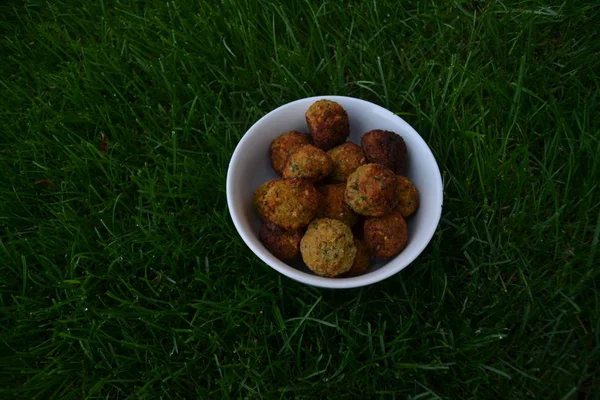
(283, 243)
(408, 197)
(385, 236)
(346, 159)
(333, 204)
(385, 148)
(372, 190)
(283, 146)
(289, 203)
(308, 162)
(366, 187)
(328, 124)
(259, 198)
(327, 247)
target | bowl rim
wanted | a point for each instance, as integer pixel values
(314, 280)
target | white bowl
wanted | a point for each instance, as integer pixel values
(250, 166)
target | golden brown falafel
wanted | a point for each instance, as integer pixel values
(327, 247)
(385, 236)
(346, 158)
(328, 124)
(290, 203)
(408, 197)
(334, 206)
(385, 148)
(308, 162)
(282, 243)
(372, 190)
(259, 195)
(362, 260)
(283, 146)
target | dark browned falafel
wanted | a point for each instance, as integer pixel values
(385, 236)
(282, 243)
(385, 148)
(328, 124)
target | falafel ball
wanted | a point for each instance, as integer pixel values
(328, 124)
(282, 243)
(346, 158)
(334, 206)
(308, 162)
(372, 190)
(385, 236)
(283, 146)
(259, 196)
(290, 203)
(362, 260)
(386, 148)
(408, 197)
(327, 247)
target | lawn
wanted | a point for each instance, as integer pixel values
(122, 275)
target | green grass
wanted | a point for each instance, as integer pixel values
(122, 275)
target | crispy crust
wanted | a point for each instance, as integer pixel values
(328, 124)
(283, 146)
(385, 236)
(259, 196)
(385, 148)
(372, 190)
(283, 243)
(408, 197)
(291, 203)
(328, 248)
(334, 206)
(308, 162)
(346, 158)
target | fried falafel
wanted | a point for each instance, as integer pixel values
(372, 190)
(386, 148)
(346, 158)
(328, 124)
(327, 247)
(259, 195)
(282, 243)
(290, 203)
(408, 197)
(334, 206)
(308, 162)
(385, 236)
(283, 146)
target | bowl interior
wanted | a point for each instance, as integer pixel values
(250, 167)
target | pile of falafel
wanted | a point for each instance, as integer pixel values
(337, 204)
